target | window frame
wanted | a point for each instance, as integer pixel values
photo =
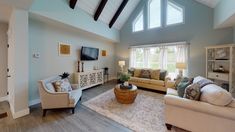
(148, 16)
(136, 19)
(166, 9)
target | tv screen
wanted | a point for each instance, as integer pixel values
(88, 53)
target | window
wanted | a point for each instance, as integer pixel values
(159, 57)
(138, 24)
(175, 13)
(154, 14)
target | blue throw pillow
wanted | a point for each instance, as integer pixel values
(182, 86)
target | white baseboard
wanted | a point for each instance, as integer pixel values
(20, 113)
(3, 98)
(34, 102)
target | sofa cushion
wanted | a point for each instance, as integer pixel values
(137, 72)
(216, 95)
(155, 74)
(139, 80)
(157, 82)
(163, 74)
(145, 73)
(193, 92)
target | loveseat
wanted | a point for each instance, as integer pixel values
(156, 80)
(201, 116)
(57, 100)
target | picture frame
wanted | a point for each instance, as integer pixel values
(64, 49)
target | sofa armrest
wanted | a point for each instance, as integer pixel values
(225, 112)
(169, 83)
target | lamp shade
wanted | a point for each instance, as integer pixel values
(121, 63)
(181, 65)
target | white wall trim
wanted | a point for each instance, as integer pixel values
(2, 99)
(34, 102)
(20, 113)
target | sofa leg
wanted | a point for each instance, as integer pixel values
(73, 109)
(44, 112)
(168, 126)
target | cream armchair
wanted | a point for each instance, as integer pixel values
(57, 100)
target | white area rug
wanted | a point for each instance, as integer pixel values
(146, 114)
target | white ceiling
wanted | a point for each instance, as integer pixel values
(109, 10)
(210, 3)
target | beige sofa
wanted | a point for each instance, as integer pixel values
(57, 100)
(197, 116)
(153, 84)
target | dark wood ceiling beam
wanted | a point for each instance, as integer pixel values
(118, 12)
(100, 9)
(72, 3)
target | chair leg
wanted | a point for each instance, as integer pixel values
(44, 112)
(168, 126)
(73, 109)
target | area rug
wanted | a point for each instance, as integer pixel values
(146, 114)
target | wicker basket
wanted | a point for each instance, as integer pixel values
(125, 96)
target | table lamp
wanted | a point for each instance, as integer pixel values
(121, 64)
(181, 66)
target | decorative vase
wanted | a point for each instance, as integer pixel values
(126, 83)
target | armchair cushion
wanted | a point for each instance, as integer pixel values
(74, 96)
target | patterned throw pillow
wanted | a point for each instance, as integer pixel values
(62, 86)
(137, 72)
(155, 74)
(193, 92)
(145, 73)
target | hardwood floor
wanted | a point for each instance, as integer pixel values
(84, 119)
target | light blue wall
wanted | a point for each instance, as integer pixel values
(223, 11)
(44, 37)
(197, 30)
(59, 10)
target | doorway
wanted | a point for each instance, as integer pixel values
(3, 61)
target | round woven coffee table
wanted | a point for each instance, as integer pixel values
(125, 96)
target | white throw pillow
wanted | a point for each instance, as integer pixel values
(50, 87)
(215, 95)
(197, 79)
(232, 104)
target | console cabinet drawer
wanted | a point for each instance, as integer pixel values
(218, 76)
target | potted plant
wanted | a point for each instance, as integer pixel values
(124, 78)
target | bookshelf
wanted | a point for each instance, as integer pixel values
(220, 62)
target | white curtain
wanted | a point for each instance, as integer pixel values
(182, 55)
(132, 58)
(163, 57)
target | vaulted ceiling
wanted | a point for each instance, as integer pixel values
(90, 6)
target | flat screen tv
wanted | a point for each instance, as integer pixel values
(89, 54)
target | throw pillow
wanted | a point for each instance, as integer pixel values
(181, 87)
(193, 92)
(155, 74)
(204, 82)
(145, 74)
(215, 95)
(137, 72)
(62, 86)
(163, 74)
(50, 87)
(131, 71)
